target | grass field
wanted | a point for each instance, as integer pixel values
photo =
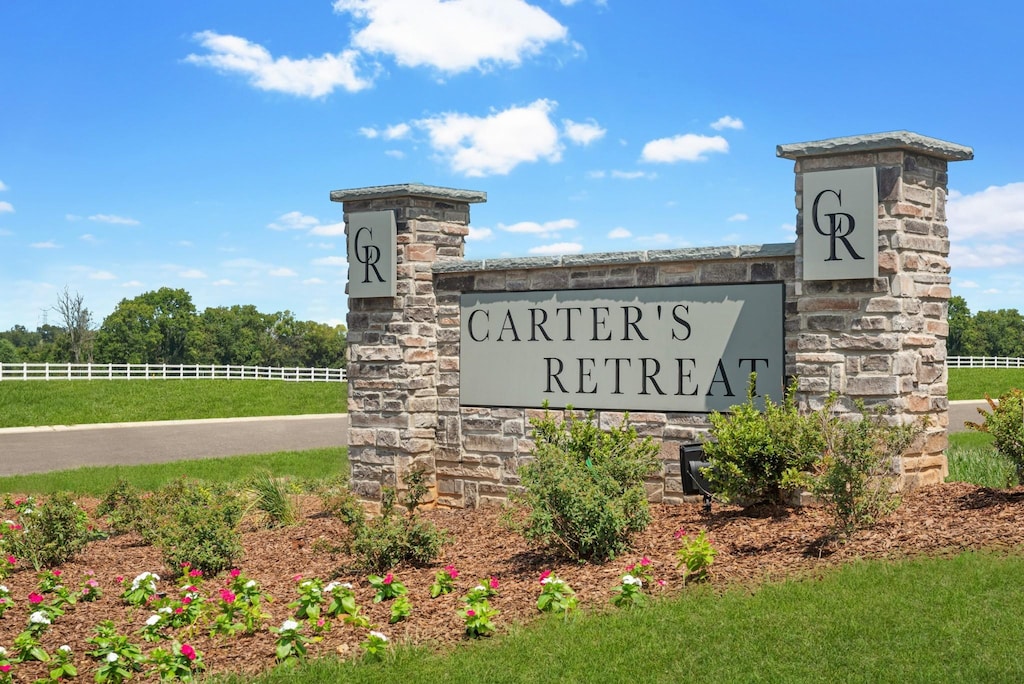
(974, 383)
(77, 402)
(927, 620)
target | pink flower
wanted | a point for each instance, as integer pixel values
(186, 564)
(321, 622)
(452, 572)
(543, 576)
(119, 579)
(494, 582)
(195, 573)
(179, 610)
(56, 573)
(227, 596)
(15, 527)
(191, 588)
(631, 567)
(187, 600)
(12, 560)
(188, 652)
(92, 583)
(297, 578)
(680, 533)
(34, 598)
(645, 561)
(470, 613)
(389, 578)
(5, 668)
(661, 583)
(235, 572)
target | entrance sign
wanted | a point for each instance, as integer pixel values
(372, 243)
(840, 210)
(686, 349)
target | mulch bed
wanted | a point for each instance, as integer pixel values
(755, 545)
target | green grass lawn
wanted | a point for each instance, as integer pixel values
(926, 620)
(974, 383)
(76, 402)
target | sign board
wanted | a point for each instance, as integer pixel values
(689, 348)
(840, 210)
(372, 254)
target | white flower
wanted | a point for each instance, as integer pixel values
(289, 625)
(4, 589)
(39, 618)
(379, 635)
(547, 579)
(112, 657)
(3, 651)
(165, 609)
(479, 587)
(346, 585)
(629, 579)
(28, 511)
(152, 620)
(65, 648)
(250, 584)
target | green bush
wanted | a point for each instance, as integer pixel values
(757, 456)
(392, 537)
(273, 499)
(1006, 425)
(855, 478)
(339, 502)
(50, 534)
(195, 522)
(122, 506)
(583, 492)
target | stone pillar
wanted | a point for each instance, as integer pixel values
(392, 341)
(882, 340)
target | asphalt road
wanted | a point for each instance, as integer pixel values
(35, 450)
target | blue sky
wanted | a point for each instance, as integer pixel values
(194, 144)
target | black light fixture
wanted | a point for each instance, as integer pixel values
(691, 460)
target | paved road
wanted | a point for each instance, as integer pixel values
(34, 450)
(961, 411)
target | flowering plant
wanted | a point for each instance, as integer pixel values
(185, 610)
(343, 602)
(152, 629)
(6, 565)
(556, 596)
(307, 607)
(62, 667)
(5, 667)
(483, 590)
(247, 604)
(90, 589)
(118, 657)
(291, 645)
(387, 587)
(141, 589)
(28, 648)
(400, 609)
(444, 581)
(49, 580)
(40, 620)
(629, 593)
(479, 618)
(375, 646)
(695, 556)
(642, 570)
(5, 599)
(180, 663)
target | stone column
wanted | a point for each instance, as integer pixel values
(392, 341)
(882, 340)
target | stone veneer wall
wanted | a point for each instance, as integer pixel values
(880, 340)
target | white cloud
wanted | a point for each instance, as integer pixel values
(397, 131)
(738, 217)
(985, 256)
(102, 275)
(688, 147)
(479, 233)
(619, 234)
(114, 219)
(329, 229)
(308, 77)
(331, 261)
(557, 248)
(294, 220)
(495, 144)
(132, 283)
(323, 245)
(633, 175)
(656, 239)
(789, 229)
(582, 133)
(314, 281)
(728, 122)
(193, 273)
(453, 35)
(5, 233)
(48, 244)
(223, 282)
(996, 211)
(6, 207)
(282, 272)
(967, 284)
(395, 154)
(548, 229)
(368, 132)
(4, 187)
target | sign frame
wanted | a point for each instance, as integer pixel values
(840, 224)
(372, 241)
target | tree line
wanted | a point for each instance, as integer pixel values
(986, 333)
(163, 326)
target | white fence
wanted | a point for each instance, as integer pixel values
(984, 362)
(152, 371)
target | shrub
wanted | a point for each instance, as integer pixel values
(194, 522)
(122, 507)
(1006, 425)
(757, 456)
(391, 538)
(339, 501)
(273, 499)
(51, 533)
(855, 477)
(584, 491)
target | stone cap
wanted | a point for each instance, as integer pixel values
(409, 190)
(780, 249)
(875, 142)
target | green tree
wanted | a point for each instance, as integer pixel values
(960, 324)
(151, 328)
(230, 335)
(8, 352)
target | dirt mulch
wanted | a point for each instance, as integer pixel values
(754, 546)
